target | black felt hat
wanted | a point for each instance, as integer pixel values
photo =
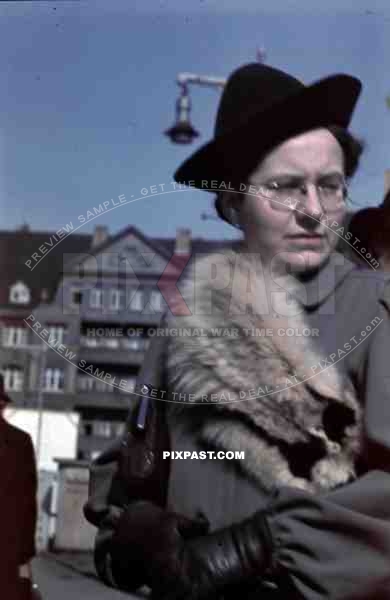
(261, 107)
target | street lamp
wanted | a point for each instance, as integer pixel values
(182, 131)
(41, 369)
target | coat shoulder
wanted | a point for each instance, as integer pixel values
(367, 287)
(18, 437)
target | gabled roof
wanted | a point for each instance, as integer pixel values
(18, 246)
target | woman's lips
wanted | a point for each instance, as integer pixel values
(307, 240)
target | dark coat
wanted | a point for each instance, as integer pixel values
(338, 546)
(18, 510)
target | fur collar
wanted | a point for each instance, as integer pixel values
(258, 393)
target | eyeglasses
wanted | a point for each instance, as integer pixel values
(286, 194)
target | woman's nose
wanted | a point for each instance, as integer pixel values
(311, 200)
(309, 209)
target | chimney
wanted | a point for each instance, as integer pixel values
(100, 235)
(183, 241)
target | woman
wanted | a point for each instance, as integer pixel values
(286, 364)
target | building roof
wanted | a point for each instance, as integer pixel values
(18, 246)
(45, 271)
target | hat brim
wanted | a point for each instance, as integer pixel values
(231, 157)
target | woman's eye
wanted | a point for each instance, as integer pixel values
(276, 185)
(288, 187)
(273, 185)
(330, 188)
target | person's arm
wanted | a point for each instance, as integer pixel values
(28, 518)
(314, 548)
(375, 383)
(29, 510)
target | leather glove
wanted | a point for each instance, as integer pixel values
(145, 540)
(212, 564)
(177, 566)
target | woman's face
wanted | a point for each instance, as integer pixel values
(295, 237)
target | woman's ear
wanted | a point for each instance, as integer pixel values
(228, 207)
(234, 203)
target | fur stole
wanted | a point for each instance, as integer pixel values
(250, 388)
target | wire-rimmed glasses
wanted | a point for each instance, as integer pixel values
(290, 193)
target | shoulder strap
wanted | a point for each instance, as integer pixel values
(141, 465)
(149, 379)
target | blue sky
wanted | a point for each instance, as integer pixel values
(89, 87)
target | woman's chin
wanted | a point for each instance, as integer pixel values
(306, 260)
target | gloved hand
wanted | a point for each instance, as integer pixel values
(208, 565)
(146, 540)
(178, 566)
(336, 546)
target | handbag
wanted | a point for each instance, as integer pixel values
(142, 467)
(133, 467)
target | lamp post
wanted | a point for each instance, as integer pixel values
(40, 404)
(182, 131)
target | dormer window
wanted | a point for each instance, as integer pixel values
(19, 293)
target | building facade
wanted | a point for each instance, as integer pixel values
(77, 314)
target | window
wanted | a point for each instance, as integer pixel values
(19, 293)
(115, 299)
(156, 301)
(53, 380)
(103, 386)
(102, 428)
(76, 297)
(130, 385)
(111, 343)
(88, 429)
(134, 343)
(130, 252)
(13, 379)
(90, 342)
(85, 383)
(14, 336)
(136, 301)
(56, 334)
(96, 298)
(119, 429)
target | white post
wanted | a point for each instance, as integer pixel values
(38, 388)
(40, 402)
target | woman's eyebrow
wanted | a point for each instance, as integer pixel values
(280, 174)
(298, 175)
(285, 175)
(331, 174)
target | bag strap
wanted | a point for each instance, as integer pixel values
(150, 379)
(141, 466)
